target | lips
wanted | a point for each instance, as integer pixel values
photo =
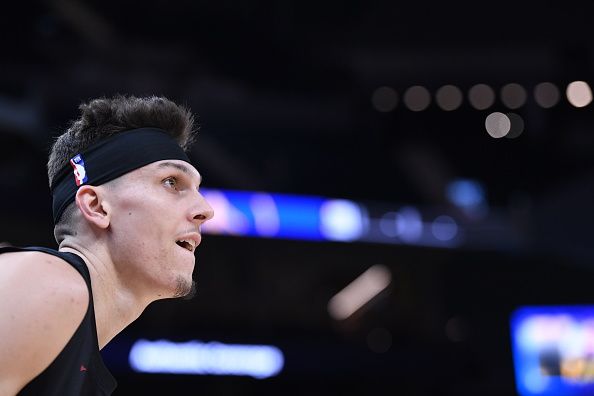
(189, 242)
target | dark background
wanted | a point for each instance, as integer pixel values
(283, 92)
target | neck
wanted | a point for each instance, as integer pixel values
(116, 305)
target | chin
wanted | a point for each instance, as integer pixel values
(191, 293)
(185, 288)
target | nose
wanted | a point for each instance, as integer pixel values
(202, 211)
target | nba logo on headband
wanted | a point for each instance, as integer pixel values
(80, 173)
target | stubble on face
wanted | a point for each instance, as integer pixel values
(185, 289)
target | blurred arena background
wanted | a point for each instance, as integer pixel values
(393, 181)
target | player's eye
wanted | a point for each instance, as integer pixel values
(170, 182)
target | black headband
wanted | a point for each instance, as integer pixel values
(110, 158)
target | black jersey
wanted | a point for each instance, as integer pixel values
(79, 368)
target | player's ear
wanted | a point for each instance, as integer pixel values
(93, 207)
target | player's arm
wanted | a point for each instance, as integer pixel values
(42, 302)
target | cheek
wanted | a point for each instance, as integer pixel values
(141, 223)
(133, 220)
(143, 219)
(147, 226)
(142, 241)
(134, 205)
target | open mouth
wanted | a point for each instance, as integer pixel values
(188, 245)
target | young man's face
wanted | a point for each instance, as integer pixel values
(156, 214)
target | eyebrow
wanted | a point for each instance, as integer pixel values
(180, 167)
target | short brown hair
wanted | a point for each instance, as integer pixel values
(105, 117)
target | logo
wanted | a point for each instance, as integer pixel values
(80, 173)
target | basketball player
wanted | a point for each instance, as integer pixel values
(127, 212)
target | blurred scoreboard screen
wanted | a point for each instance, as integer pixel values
(553, 350)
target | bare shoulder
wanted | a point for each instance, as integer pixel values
(43, 299)
(29, 275)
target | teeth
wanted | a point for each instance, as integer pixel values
(192, 243)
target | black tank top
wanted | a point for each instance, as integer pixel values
(79, 368)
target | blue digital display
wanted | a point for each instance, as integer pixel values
(201, 358)
(313, 218)
(553, 350)
(260, 214)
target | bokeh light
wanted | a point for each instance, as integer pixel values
(513, 95)
(455, 329)
(384, 99)
(388, 224)
(341, 220)
(449, 97)
(417, 98)
(546, 94)
(481, 96)
(497, 124)
(516, 125)
(579, 93)
(409, 224)
(359, 292)
(466, 193)
(444, 228)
